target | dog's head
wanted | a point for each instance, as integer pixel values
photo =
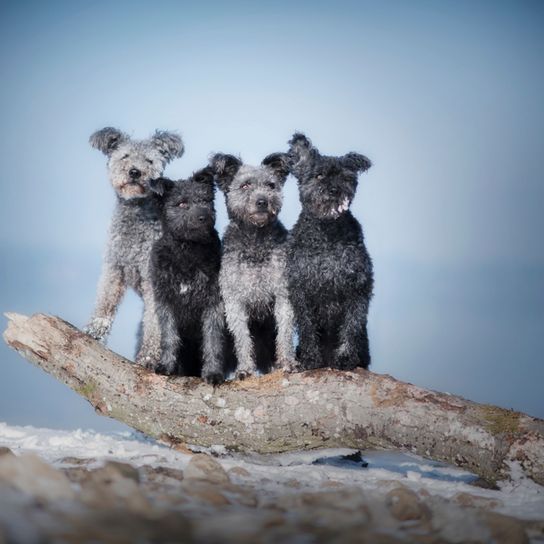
(327, 185)
(187, 206)
(253, 193)
(133, 163)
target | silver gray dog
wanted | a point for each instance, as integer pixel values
(252, 278)
(134, 227)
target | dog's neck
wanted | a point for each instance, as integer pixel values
(145, 206)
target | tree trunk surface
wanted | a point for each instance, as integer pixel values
(283, 412)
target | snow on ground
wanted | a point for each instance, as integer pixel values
(520, 497)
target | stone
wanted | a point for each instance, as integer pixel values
(114, 485)
(204, 491)
(475, 501)
(239, 471)
(29, 474)
(76, 461)
(124, 469)
(76, 474)
(405, 505)
(204, 467)
(505, 529)
(5, 451)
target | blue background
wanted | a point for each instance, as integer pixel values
(444, 96)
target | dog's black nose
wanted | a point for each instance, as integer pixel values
(134, 173)
(262, 204)
(333, 191)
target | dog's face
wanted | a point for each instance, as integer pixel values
(133, 163)
(253, 193)
(327, 185)
(187, 205)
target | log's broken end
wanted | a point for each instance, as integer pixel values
(15, 322)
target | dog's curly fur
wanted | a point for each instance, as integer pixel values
(328, 267)
(252, 277)
(184, 272)
(134, 227)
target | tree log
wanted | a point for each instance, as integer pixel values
(282, 412)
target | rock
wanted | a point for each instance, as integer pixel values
(114, 485)
(243, 495)
(239, 471)
(204, 491)
(110, 469)
(331, 483)
(159, 473)
(346, 506)
(239, 527)
(204, 467)
(474, 501)
(76, 461)
(5, 451)
(405, 505)
(504, 529)
(29, 474)
(76, 474)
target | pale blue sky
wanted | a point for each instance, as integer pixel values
(444, 96)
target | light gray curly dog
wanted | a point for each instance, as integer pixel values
(252, 278)
(134, 227)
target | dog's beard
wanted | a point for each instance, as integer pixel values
(339, 209)
(260, 219)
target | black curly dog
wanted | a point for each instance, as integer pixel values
(184, 272)
(328, 267)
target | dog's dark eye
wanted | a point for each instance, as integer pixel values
(125, 156)
(183, 204)
(245, 185)
(149, 161)
(320, 176)
(272, 185)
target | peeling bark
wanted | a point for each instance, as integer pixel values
(281, 412)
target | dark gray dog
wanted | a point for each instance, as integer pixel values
(252, 277)
(328, 267)
(134, 228)
(184, 271)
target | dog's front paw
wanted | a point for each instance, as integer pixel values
(213, 378)
(98, 328)
(164, 368)
(344, 361)
(288, 365)
(243, 374)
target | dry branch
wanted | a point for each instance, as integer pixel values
(278, 412)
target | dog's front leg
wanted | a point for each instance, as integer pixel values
(170, 341)
(238, 324)
(283, 313)
(310, 355)
(111, 288)
(353, 350)
(149, 353)
(213, 328)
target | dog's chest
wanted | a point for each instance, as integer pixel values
(326, 262)
(132, 233)
(254, 280)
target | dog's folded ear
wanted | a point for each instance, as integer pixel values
(356, 162)
(279, 163)
(161, 186)
(169, 144)
(300, 150)
(107, 139)
(225, 168)
(204, 175)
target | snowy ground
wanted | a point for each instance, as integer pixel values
(521, 498)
